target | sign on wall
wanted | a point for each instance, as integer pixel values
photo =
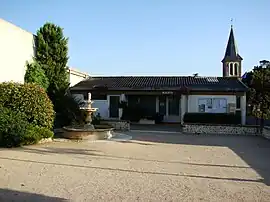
(167, 92)
(212, 105)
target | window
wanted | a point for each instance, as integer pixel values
(231, 69)
(173, 106)
(238, 102)
(235, 69)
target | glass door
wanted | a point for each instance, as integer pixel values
(162, 105)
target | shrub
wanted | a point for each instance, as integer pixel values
(35, 74)
(96, 119)
(15, 130)
(13, 126)
(29, 99)
(69, 111)
(34, 134)
(133, 113)
(215, 118)
(158, 118)
(45, 132)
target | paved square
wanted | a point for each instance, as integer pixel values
(151, 167)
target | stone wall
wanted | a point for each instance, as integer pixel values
(221, 129)
(266, 132)
(118, 124)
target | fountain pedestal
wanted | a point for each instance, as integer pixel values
(88, 131)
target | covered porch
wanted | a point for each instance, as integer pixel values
(166, 103)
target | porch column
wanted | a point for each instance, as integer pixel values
(122, 98)
(186, 103)
(243, 104)
(183, 107)
(157, 104)
(167, 106)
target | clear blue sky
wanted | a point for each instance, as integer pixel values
(150, 37)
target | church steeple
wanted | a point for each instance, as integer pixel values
(232, 59)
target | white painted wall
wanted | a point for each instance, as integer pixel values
(103, 108)
(16, 47)
(75, 76)
(193, 100)
(102, 105)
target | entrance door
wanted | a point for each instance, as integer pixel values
(114, 106)
(162, 105)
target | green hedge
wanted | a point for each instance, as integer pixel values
(35, 133)
(29, 99)
(26, 114)
(15, 130)
(215, 118)
(13, 126)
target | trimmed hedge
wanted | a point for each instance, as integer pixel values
(16, 131)
(13, 126)
(29, 99)
(215, 118)
(26, 114)
(35, 133)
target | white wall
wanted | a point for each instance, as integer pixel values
(193, 100)
(74, 79)
(103, 108)
(102, 105)
(75, 76)
(16, 47)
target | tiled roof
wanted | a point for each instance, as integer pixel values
(161, 83)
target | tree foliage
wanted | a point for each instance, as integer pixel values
(258, 80)
(52, 54)
(35, 74)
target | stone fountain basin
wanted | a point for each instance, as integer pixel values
(101, 132)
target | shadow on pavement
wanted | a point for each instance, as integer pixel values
(55, 150)
(7, 195)
(132, 171)
(94, 153)
(254, 150)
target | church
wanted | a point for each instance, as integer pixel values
(171, 96)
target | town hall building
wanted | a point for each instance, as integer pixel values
(171, 96)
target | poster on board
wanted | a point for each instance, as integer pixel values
(212, 105)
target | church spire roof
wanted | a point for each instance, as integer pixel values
(231, 52)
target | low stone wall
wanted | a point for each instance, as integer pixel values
(220, 129)
(45, 140)
(118, 124)
(266, 132)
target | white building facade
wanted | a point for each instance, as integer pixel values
(17, 46)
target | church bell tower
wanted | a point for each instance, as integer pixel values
(232, 61)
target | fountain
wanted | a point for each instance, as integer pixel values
(88, 130)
